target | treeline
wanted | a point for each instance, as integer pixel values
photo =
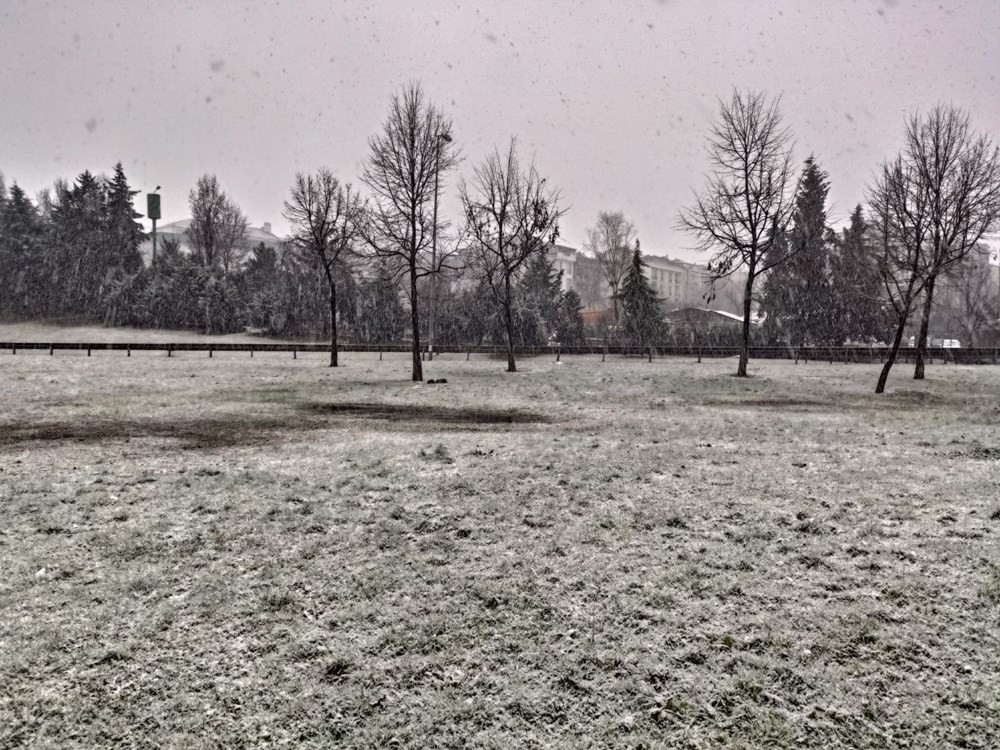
(74, 254)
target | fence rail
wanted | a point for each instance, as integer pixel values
(808, 354)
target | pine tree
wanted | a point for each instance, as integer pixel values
(797, 298)
(570, 330)
(125, 234)
(538, 297)
(21, 265)
(642, 316)
(859, 309)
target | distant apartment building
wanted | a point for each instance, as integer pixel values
(677, 282)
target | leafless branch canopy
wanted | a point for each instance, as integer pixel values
(611, 241)
(325, 218)
(935, 200)
(510, 215)
(749, 196)
(403, 171)
(218, 227)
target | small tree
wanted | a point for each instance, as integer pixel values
(510, 217)
(642, 315)
(570, 331)
(402, 168)
(325, 217)
(747, 203)
(611, 241)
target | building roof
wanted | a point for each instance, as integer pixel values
(721, 313)
(254, 234)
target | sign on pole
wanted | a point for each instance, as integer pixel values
(152, 206)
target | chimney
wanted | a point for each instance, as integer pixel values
(267, 227)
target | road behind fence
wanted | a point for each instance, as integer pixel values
(808, 354)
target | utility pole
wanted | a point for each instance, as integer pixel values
(441, 138)
(153, 212)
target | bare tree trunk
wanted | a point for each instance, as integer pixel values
(333, 319)
(741, 369)
(918, 370)
(896, 341)
(508, 320)
(418, 369)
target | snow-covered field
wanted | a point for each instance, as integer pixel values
(237, 552)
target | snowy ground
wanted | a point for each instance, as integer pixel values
(244, 552)
(35, 332)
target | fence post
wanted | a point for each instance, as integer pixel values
(88, 351)
(650, 353)
(468, 353)
(251, 351)
(15, 350)
(295, 353)
(128, 350)
(170, 350)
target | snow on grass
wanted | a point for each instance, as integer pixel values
(254, 552)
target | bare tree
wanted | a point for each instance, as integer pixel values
(218, 228)
(325, 218)
(510, 216)
(611, 241)
(748, 200)
(404, 160)
(960, 173)
(900, 208)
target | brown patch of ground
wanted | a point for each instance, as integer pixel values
(423, 413)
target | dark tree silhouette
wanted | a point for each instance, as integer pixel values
(747, 202)
(325, 218)
(401, 169)
(510, 216)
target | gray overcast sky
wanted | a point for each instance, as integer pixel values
(614, 99)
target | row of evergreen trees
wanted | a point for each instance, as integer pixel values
(827, 290)
(60, 256)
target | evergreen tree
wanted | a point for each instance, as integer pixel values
(125, 234)
(859, 309)
(797, 299)
(20, 254)
(538, 298)
(642, 317)
(570, 330)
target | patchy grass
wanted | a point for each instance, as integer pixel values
(582, 554)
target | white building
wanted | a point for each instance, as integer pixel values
(177, 230)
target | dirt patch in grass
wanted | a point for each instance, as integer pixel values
(771, 403)
(422, 414)
(233, 430)
(219, 432)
